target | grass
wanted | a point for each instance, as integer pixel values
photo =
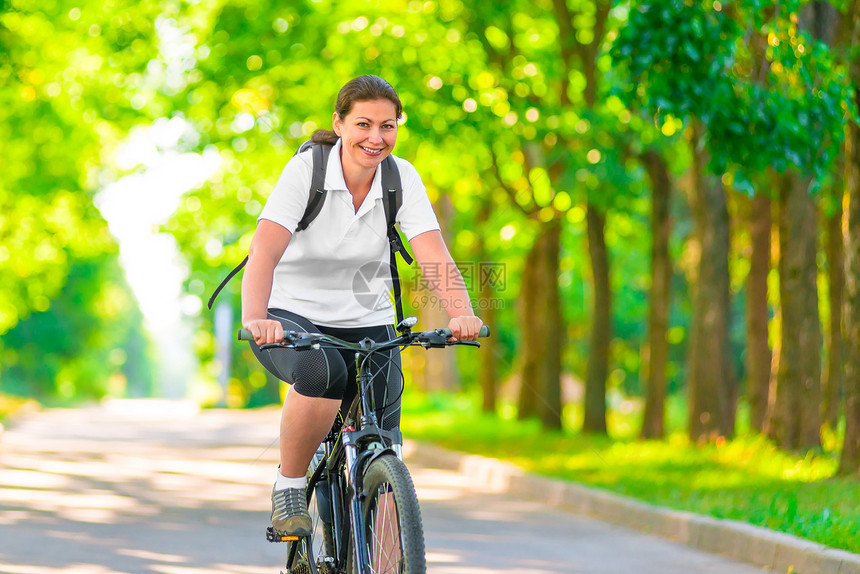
(11, 405)
(746, 479)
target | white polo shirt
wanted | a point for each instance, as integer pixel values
(335, 273)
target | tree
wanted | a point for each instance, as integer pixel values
(758, 362)
(695, 61)
(825, 24)
(653, 422)
(808, 84)
(850, 460)
(558, 87)
(677, 54)
(71, 75)
(88, 344)
(711, 383)
(796, 421)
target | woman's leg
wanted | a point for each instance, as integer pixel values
(318, 378)
(305, 422)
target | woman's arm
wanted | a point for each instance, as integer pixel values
(268, 245)
(441, 272)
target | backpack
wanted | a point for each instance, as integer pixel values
(392, 198)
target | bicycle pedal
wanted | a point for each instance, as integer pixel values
(273, 536)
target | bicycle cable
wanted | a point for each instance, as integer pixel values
(387, 361)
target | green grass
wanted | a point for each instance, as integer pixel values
(10, 406)
(746, 479)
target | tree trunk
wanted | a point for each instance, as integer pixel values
(798, 393)
(540, 388)
(758, 359)
(850, 460)
(550, 408)
(487, 311)
(655, 356)
(823, 20)
(598, 355)
(711, 384)
(487, 375)
(531, 312)
(831, 380)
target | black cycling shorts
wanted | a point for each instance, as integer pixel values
(330, 373)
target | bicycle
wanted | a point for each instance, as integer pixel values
(360, 494)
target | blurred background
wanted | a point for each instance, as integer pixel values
(646, 198)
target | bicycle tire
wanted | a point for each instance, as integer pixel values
(392, 520)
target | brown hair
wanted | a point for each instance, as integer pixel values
(360, 89)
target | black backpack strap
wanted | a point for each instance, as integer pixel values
(317, 190)
(227, 280)
(392, 199)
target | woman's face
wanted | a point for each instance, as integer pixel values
(368, 133)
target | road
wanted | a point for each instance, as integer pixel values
(152, 487)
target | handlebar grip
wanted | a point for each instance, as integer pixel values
(484, 332)
(245, 335)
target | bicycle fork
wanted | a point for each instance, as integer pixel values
(353, 476)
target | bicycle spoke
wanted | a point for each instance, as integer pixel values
(387, 554)
(390, 516)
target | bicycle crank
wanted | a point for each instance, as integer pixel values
(271, 536)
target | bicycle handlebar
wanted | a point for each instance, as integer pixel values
(245, 335)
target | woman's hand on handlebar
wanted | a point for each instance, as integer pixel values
(465, 327)
(265, 331)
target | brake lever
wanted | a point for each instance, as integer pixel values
(268, 346)
(439, 340)
(467, 343)
(304, 343)
(433, 340)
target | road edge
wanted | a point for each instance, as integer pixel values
(740, 541)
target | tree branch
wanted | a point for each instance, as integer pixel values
(567, 43)
(512, 193)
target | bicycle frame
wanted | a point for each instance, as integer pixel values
(352, 445)
(352, 448)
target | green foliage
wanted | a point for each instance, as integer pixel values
(747, 479)
(73, 77)
(11, 406)
(677, 54)
(768, 94)
(67, 86)
(88, 344)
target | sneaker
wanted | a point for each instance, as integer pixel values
(290, 512)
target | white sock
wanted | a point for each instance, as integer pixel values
(282, 482)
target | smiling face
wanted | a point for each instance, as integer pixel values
(368, 133)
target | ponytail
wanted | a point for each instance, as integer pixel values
(327, 137)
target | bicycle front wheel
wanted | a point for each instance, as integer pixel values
(392, 519)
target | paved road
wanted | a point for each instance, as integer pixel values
(144, 488)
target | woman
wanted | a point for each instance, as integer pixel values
(304, 281)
